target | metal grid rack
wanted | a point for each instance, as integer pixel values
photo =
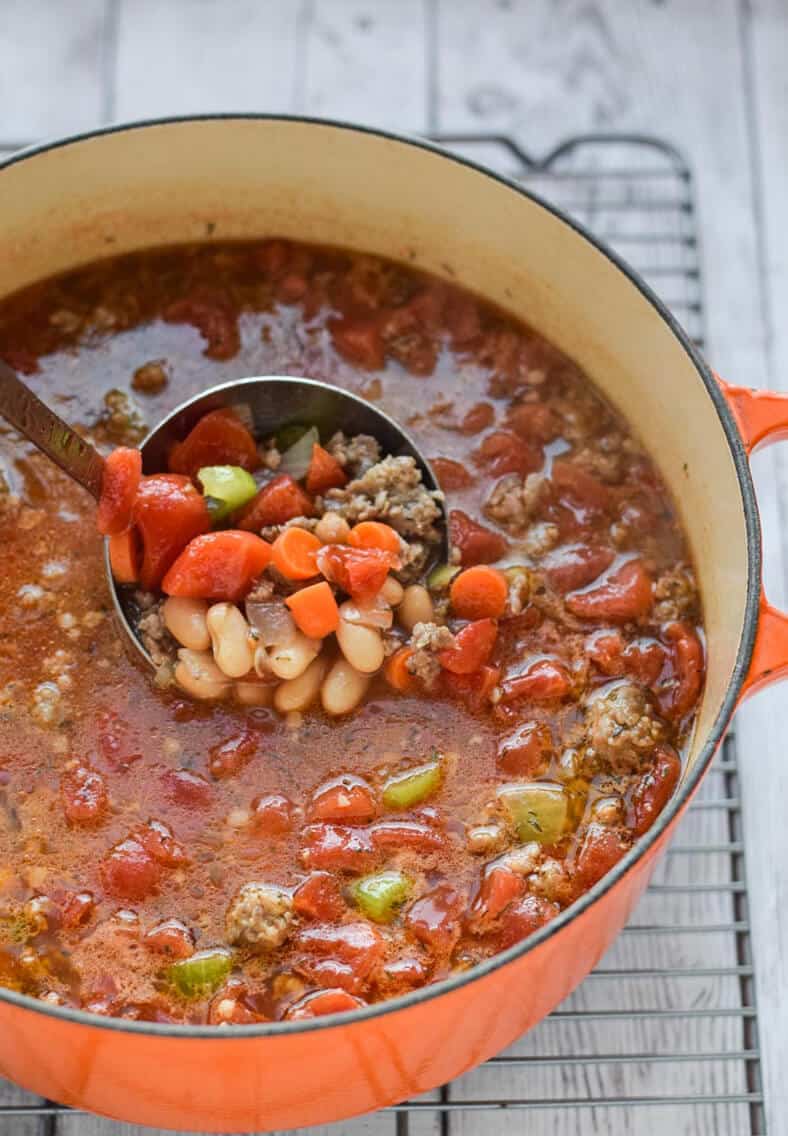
(663, 1036)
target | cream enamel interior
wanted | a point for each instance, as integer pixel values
(247, 177)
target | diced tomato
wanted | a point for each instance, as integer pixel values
(187, 788)
(228, 1007)
(478, 418)
(231, 755)
(473, 689)
(347, 799)
(461, 315)
(172, 938)
(218, 566)
(580, 487)
(128, 871)
(527, 751)
(359, 945)
(158, 840)
(388, 835)
(84, 793)
(680, 697)
(643, 658)
(116, 740)
(473, 647)
(503, 452)
(272, 815)
(408, 339)
(534, 421)
(215, 320)
(336, 847)
(499, 887)
(319, 897)
(322, 1002)
(451, 474)
(278, 502)
(219, 438)
(404, 972)
(542, 681)
(655, 788)
(434, 919)
(523, 917)
(76, 908)
(360, 341)
(602, 847)
(119, 483)
(605, 648)
(576, 566)
(168, 513)
(324, 472)
(331, 973)
(361, 572)
(477, 544)
(624, 596)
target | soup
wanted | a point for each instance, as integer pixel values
(173, 856)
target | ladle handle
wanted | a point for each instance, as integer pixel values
(33, 418)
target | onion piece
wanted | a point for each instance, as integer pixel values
(272, 621)
(376, 613)
(296, 459)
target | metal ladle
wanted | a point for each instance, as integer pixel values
(273, 401)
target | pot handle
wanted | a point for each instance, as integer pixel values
(762, 418)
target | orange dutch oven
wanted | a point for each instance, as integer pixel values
(129, 187)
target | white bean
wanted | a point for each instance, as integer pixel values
(249, 692)
(343, 688)
(416, 607)
(292, 659)
(185, 620)
(392, 591)
(361, 646)
(299, 693)
(229, 633)
(332, 529)
(198, 674)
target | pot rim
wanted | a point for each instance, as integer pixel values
(685, 791)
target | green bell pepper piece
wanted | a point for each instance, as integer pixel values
(200, 975)
(409, 788)
(379, 895)
(226, 488)
(538, 810)
(441, 576)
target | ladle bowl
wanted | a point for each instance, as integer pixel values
(268, 403)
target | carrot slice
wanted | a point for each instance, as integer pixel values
(125, 556)
(119, 484)
(374, 534)
(396, 670)
(315, 610)
(294, 552)
(479, 593)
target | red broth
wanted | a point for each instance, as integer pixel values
(133, 817)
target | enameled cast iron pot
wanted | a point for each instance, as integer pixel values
(130, 187)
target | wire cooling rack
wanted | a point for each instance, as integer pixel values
(663, 1036)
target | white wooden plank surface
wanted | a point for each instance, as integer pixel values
(197, 55)
(682, 70)
(52, 78)
(367, 61)
(763, 724)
